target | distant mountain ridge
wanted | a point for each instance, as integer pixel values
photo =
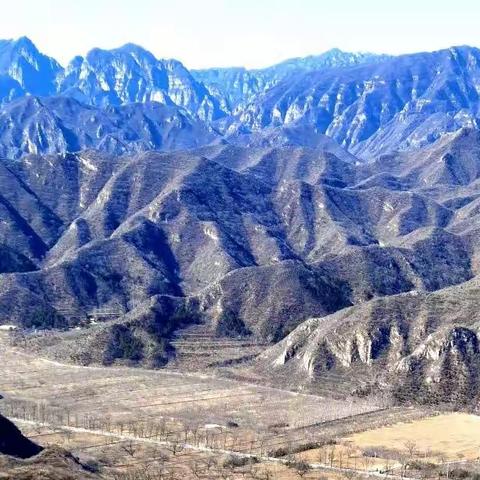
(402, 102)
(238, 85)
(131, 74)
(370, 104)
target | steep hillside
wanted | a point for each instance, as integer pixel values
(248, 240)
(53, 463)
(420, 347)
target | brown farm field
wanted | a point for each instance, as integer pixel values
(451, 435)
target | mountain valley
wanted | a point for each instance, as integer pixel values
(301, 235)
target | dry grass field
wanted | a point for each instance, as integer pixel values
(126, 393)
(419, 448)
(453, 436)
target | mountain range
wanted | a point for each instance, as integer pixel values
(326, 207)
(290, 233)
(370, 104)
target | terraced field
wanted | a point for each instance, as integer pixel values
(197, 348)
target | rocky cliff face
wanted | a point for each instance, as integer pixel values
(131, 74)
(421, 347)
(125, 75)
(238, 86)
(25, 70)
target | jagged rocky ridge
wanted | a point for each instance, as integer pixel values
(399, 103)
(370, 104)
(131, 74)
(423, 347)
(235, 87)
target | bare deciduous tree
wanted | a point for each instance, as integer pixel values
(350, 474)
(411, 448)
(331, 455)
(197, 468)
(302, 468)
(367, 461)
(129, 447)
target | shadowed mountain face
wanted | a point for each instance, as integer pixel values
(13, 443)
(22, 459)
(24, 70)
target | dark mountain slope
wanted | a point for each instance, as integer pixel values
(13, 443)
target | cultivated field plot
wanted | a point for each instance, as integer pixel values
(451, 436)
(440, 445)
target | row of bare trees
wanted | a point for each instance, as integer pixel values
(175, 432)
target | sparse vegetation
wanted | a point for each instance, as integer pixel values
(231, 325)
(124, 345)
